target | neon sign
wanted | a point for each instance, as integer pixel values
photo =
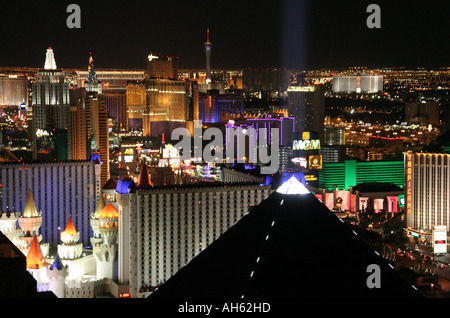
(408, 183)
(306, 144)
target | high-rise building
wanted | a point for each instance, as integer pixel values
(170, 104)
(59, 189)
(100, 133)
(81, 125)
(51, 122)
(13, 89)
(162, 228)
(162, 66)
(90, 123)
(422, 113)
(307, 105)
(212, 105)
(266, 82)
(347, 174)
(112, 80)
(116, 105)
(357, 83)
(113, 88)
(333, 147)
(427, 186)
(136, 105)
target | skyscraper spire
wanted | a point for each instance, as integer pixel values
(92, 83)
(92, 76)
(208, 48)
(50, 63)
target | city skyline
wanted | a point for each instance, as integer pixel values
(293, 34)
(149, 174)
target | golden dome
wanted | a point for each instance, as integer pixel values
(30, 210)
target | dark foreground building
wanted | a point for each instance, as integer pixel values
(289, 246)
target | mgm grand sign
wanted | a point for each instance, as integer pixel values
(306, 143)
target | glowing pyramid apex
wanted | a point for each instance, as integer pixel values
(293, 186)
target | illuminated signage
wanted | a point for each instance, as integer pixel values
(408, 183)
(306, 135)
(128, 158)
(440, 239)
(306, 144)
(163, 162)
(175, 163)
(310, 177)
(152, 57)
(187, 165)
(170, 152)
(300, 161)
(315, 162)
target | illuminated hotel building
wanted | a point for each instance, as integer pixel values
(364, 83)
(60, 189)
(170, 104)
(51, 123)
(13, 90)
(113, 88)
(345, 175)
(100, 133)
(81, 125)
(90, 131)
(427, 188)
(163, 228)
(307, 105)
(212, 105)
(112, 80)
(268, 82)
(136, 106)
(238, 133)
(162, 66)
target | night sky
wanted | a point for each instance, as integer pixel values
(296, 34)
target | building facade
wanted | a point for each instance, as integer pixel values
(357, 83)
(307, 105)
(162, 229)
(427, 188)
(349, 173)
(13, 90)
(60, 189)
(51, 123)
(162, 66)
